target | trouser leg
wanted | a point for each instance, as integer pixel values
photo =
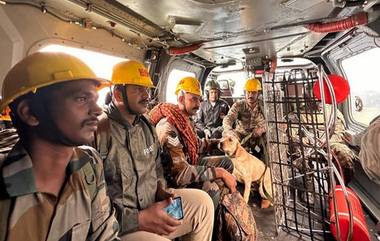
(197, 223)
(217, 161)
(143, 236)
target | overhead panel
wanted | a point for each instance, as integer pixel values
(227, 27)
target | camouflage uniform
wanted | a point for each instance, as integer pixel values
(8, 138)
(211, 118)
(201, 175)
(313, 121)
(369, 153)
(135, 180)
(338, 145)
(242, 120)
(82, 211)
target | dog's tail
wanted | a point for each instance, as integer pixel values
(265, 188)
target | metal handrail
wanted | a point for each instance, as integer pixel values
(331, 124)
(323, 141)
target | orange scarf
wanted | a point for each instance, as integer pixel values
(183, 125)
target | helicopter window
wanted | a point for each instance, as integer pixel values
(174, 77)
(100, 63)
(362, 71)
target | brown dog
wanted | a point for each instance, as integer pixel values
(248, 169)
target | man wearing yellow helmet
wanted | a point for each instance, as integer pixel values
(130, 148)
(245, 118)
(176, 134)
(51, 189)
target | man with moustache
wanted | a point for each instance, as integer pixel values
(130, 149)
(177, 135)
(51, 189)
(245, 118)
(209, 119)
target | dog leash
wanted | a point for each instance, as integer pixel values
(245, 139)
(267, 195)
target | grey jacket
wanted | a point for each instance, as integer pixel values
(211, 117)
(132, 165)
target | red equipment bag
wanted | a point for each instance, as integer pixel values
(360, 230)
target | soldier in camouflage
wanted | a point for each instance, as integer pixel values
(338, 145)
(176, 134)
(130, 149)
(51, 189)
(245, 118)
(311, 118)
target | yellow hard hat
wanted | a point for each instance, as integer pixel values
(190, 85)
(43, 69)
(131, 72)
(5, 114)
(252, 85)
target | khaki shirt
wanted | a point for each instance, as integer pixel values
(132, 166)
(74, 215)
(370, 151)
(344, 154)
(243, 120)
(318, 119)
(183, 172)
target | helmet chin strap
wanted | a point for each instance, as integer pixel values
(125, 101)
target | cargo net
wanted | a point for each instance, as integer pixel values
(300, 170)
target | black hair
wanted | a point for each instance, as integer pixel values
(39, 104)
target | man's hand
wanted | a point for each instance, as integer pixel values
(154, 219)
(258, 131)
(228, 179)
(207, 133)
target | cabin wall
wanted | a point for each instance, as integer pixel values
(25, 29)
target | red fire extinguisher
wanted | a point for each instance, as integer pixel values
(360, 230)
(345, 203)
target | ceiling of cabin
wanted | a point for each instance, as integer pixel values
(227, 27)
(230, 30)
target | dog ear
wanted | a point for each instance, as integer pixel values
(236, 142)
